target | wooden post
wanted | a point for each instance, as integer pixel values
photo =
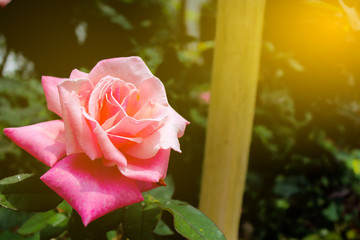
(233, 91)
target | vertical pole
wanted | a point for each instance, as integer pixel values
(233, 90)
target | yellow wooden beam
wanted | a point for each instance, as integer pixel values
(231, 111)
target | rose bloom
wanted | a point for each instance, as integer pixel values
(3, 3)
(205, 97)
(113, 141)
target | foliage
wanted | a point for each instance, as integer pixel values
(304, 169)
(22, 103)
(302, 181)
(137, 221)
(26, 192)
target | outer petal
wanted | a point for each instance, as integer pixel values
(151, 110)
(78, 74)
(74, 96)
(163, 138)
(173, 128)
(51, 93)
(45, 141)
(152, 88)
(146, 186)
(90, 188)
(148, 170)
(81, 86)
(128, 69)
(76, 123)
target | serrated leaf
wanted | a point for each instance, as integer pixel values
(140, 221)
(191, 223)
(27, 192)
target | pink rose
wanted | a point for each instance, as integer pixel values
(205, 97)
(3, 3)
(113, 141)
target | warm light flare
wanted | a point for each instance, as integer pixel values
(321, 36)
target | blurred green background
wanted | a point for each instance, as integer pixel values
(303, 179)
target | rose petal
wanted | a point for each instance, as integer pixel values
(148, 147)
(108, 149)
(45, 141)
(120, 90)
(82, 87)
(111, 111)
(147, 170)
(78, 74)
(97, 96)
(51, 93)
(131, 127)
(129, 69)
(151, 110)
(131, 103)
(165, 137)
(152, 91)
(146, 186)
(120, 141)
(76, 125)
(74, 95)
(90, 188)
(113, 120)
(104, 101)
(172, 130)
(152, 88)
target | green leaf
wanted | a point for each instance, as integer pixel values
(162, 229)
(114, 16)
(14, 219)
(96, 229)
(191, 223)
(10, 235)
(27, 192)
(65, 207)
(111, 235)
(50, 224)
(36, 222)
(163, 193)
(56, 225)
(331, 212)
(15, 236)
(140, 220)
